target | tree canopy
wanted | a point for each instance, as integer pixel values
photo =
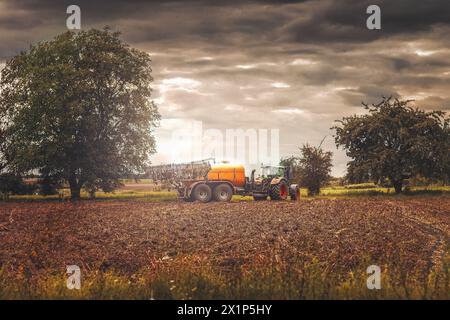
(395, 141)
(78, 108)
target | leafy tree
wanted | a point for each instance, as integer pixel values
(312, 169)
(395, 141)
(78, 108)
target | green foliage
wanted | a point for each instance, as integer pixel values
(78, 108)
(312, 169)
(395, 141)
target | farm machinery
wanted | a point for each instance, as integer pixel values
(203, 181)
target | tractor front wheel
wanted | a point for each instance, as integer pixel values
(279, 191)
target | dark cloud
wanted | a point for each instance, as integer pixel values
(292, 65)
(245, 22)
(345, 21)
(399, 64)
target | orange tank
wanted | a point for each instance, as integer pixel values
(230, 172)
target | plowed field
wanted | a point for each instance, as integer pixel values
(126, 236)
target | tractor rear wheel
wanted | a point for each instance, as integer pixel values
(202, 193)
(279, 191)
(223, 192)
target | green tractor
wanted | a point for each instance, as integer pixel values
(274, 182)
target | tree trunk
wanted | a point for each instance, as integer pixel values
(398, 186)
(75, 189)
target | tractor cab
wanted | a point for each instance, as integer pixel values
(277, 171)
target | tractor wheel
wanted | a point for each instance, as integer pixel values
(223, 193)
(294, 192)
(202, 193)
(279, 191)
(259, 197)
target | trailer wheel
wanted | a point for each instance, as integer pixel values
(223, 193)
(279, 191)
(202, 193)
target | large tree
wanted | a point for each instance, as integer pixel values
(78, 108)
(395, 141)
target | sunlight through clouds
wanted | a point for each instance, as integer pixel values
(251, 65)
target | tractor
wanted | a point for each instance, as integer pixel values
(202, 181)
(274, 182)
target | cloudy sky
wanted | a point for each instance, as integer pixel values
(295, 66)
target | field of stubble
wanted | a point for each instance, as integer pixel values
(285, 250)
